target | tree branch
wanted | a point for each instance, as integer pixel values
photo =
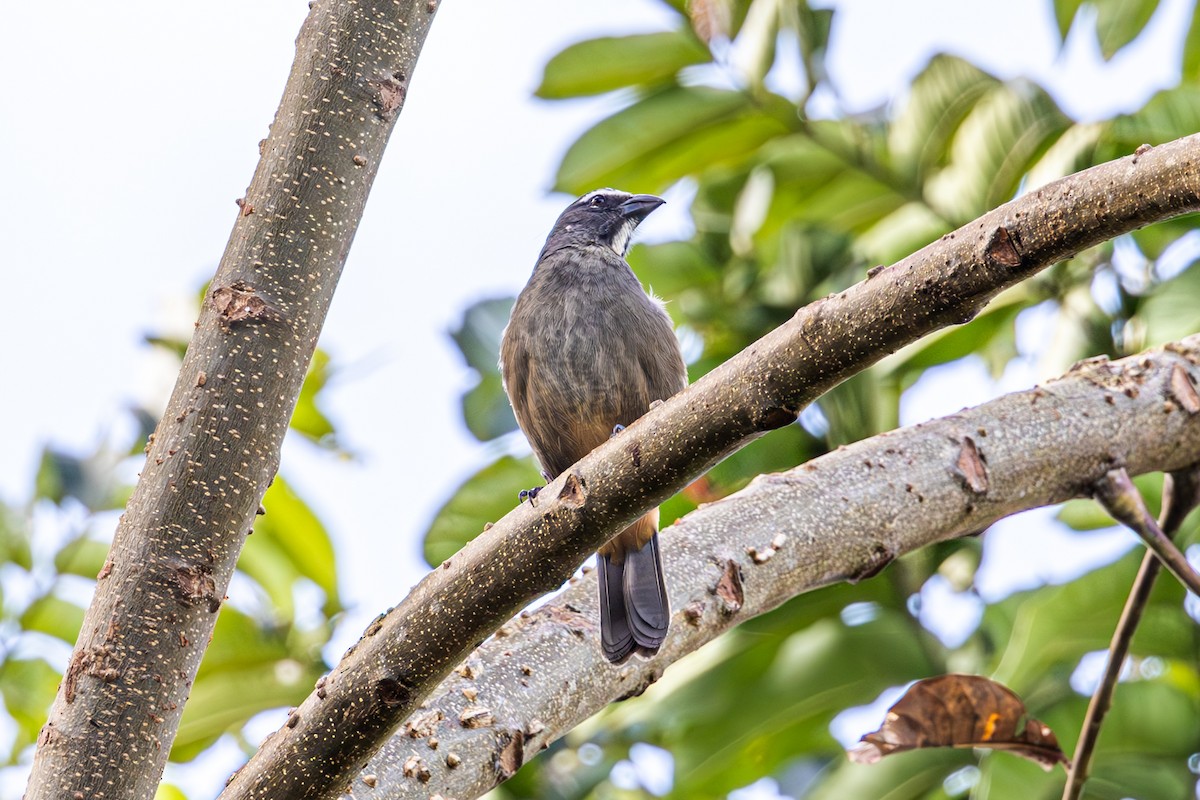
(1181, 494)
(1121, 499)
(217, 446)
(405, 653)
(842, 516)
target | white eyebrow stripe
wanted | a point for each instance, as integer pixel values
(587, 197)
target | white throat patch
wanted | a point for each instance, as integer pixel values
(620, 240)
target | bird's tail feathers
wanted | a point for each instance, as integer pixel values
(634, 610)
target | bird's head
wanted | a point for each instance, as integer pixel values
(605, 216)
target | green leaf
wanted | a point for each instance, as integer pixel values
(804, 262)
(83, 556)
(28, 686)
(224, 701)
(755, 40)
(1084, 515)
(1046, 631)
(273, 572)
(485, 497)
(289, 543)
(905, 230)
(1119, 22)
(167, 791)
(1171, 311)
(478, 335)
(939, 99)
(87, 479)
(14, 539)
(992, 334)
(914, 776)
(1004, 134)
(813, 28)
(249, 667)
(53, 616)
(1064, 15)
(1001, 775)
(486, 409)
(661, 138)
(239, 641)
(1138, 774)
(1191, 49)
(796, 703)
(603, 65)
(1075, 150)
(1168, 115)
(672, 270)
(1155, 716)
(176, 347)
(827, 179)
(308, 419)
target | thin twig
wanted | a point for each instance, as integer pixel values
(1181, 493)
(1122, 500)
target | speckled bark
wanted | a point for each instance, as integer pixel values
(838, 517)
(532, 550)
(217, 446)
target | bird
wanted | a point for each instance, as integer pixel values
(585, 353)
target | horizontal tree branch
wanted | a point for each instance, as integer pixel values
(533, 549)
(838, 517)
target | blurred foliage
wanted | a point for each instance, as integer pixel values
(789, 205)
(266, 650)
(485, 407)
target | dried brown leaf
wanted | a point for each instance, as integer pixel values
(960, 711)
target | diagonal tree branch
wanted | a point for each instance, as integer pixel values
(217, 446)
(410, 649)
(839, 517)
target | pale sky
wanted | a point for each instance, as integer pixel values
(129, 129)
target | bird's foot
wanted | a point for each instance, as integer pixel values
(616, 429)
(529, 494)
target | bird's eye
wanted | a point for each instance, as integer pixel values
(599, 201)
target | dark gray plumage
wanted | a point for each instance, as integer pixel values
(586, 350)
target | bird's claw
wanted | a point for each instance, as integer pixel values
(616, 429)
(528, 494)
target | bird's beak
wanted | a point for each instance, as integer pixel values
(640, 205)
